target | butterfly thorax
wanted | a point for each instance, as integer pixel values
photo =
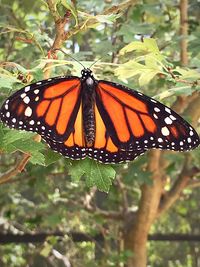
(88, 100)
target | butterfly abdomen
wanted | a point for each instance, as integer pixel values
(89, 126)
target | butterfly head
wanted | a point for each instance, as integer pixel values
(86, 73)
(87, 77)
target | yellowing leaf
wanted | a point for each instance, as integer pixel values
(148, 45)
(186, 74)
(133, 68)
(146, 77)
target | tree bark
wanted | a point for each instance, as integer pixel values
(136, 232)
(184, 31)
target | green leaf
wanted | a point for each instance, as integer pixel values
(177, 90)
(146, 77)
(8, 81)
(2, 135)
(46, 250)
(137, 172)
(53, 219)
(14, 135)
(188, 73)
(14, 140)
(133, 68)
(51, 157)
(96, 174)
(109, 18)
(77, 170)
(148, 45)
(131, 29)
(37, 158)
(25, 145)
(100, 175)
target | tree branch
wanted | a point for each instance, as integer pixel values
(184, 31)
(61, 257)
(181, 182)
(7, 238)
(53, 11)
(194, 183)
(123, 192)
(114, 215)
(111, 10)
(60, 36)
(6, 177)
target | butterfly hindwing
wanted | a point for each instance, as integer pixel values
(103, 149)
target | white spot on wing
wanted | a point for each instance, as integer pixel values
(167, 110)
(168, 120)
(165, 131)
(36, 91)
(155, 116)
(172, 117)
(23, 95)
(27, 88)
(191, 133)
(7, 114)
(26, 100)
(157, 109)
(28, 112)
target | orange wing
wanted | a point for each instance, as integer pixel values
(74, 145)
(128, 123)
(48, 107)
(103, 149)
(134, 121)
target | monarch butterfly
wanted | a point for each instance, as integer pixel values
(106, 121)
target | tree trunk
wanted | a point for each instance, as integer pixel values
(184, 31)
(137, 229)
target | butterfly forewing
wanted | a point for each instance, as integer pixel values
(47, 107)
(140, 122)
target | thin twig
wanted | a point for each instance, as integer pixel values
(123, 191)
(16, 170)
(6, 177)
(60, 36)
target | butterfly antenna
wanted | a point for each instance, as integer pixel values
(58, 49)
(98, 60)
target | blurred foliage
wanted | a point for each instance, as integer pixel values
(51, 194)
